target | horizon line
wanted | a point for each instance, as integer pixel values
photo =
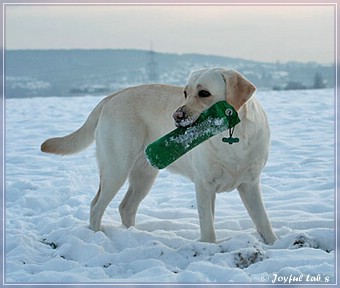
(173, 53)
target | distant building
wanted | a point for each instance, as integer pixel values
(152, 66)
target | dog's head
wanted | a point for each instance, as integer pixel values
(208, 86)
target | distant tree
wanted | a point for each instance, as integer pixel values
(277, 88)
(319, 83)
(292, 85)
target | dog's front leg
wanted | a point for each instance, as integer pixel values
(252, 199)
(205, 199)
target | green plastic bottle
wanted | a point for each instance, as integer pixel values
(216, 119)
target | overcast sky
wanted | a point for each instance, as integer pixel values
(262, 33)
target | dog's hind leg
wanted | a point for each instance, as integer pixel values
(141, 179)
(110, 183)
(114, 166)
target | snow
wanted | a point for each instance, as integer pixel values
(47, 200)
(200, 132)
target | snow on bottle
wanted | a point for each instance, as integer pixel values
(216, 119)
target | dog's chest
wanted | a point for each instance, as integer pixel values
(225, 178)
(224, 167)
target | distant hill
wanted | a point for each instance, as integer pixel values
(80, 72)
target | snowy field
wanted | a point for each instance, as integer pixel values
(48, 199)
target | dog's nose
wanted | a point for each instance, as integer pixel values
(178, 115)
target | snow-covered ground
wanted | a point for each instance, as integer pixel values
(48, 197)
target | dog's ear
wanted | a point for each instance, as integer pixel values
(238, 88)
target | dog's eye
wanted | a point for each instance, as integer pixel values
(203, 93)
(185, 94)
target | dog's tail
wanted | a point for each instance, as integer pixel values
(79, 139)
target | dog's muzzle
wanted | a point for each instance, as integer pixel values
(182, 119)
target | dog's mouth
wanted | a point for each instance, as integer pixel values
(185, 122)
(183, 119)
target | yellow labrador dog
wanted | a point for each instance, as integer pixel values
(124, 123)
